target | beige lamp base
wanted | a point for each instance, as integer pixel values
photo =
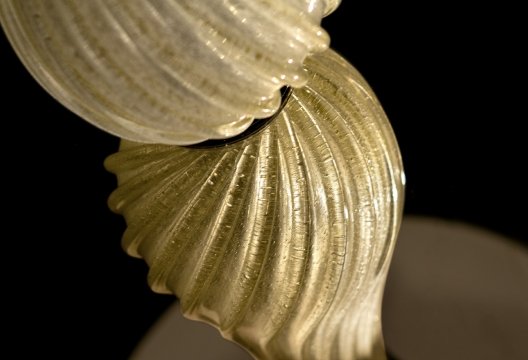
(454, 292)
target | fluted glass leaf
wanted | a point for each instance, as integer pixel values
(165, 71)
(283, 240)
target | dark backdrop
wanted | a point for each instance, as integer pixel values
(446, 77)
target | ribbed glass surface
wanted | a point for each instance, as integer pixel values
(165, 71)
(283, 240)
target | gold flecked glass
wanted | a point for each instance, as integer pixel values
(165, 71)
(283, 240)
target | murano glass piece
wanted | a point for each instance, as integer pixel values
(166, 71)
(282, 240)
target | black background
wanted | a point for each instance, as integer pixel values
(447, 77)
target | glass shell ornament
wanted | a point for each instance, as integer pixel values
(165, 71)
(281, 240)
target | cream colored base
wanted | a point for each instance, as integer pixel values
(454, 292)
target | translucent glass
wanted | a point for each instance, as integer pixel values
(283, 240)
(165, 71)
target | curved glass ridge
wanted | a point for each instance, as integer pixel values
(283, 240)
(165, 71)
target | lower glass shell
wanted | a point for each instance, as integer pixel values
(283, 240)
